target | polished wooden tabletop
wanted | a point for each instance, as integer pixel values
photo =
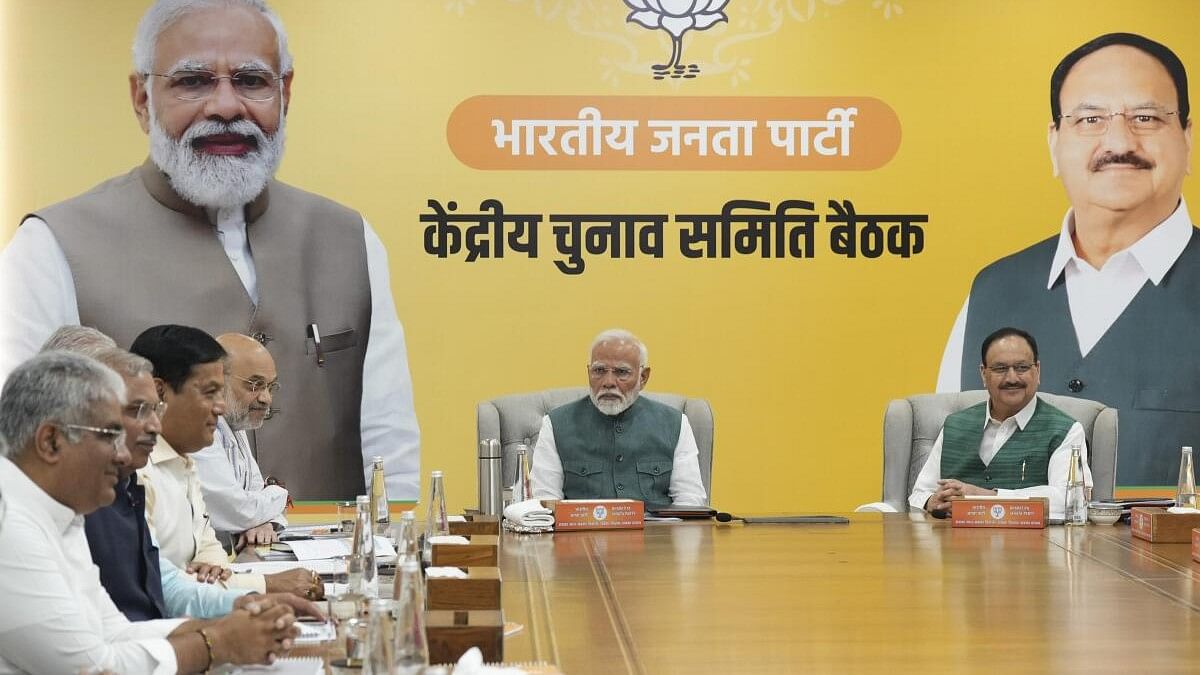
(895, 593)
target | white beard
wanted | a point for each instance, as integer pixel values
(217, 181)
(237, 415)
(609, 407)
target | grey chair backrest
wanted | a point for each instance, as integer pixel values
(912, 424)
(516, 417)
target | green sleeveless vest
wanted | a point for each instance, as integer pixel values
(625, 456)
(1030, 447)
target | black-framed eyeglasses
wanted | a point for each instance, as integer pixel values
(1089, 121)
(114, 436)
(1001, 370)
(141, 411)
(598, 371)
(197, 85)
(257, 384)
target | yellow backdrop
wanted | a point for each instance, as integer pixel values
(798, 357)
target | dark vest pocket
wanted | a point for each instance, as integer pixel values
(654, 477)
(583, 480)
(1175, 400)
(333, 342)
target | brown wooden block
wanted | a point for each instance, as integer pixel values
(452, 633)
(477, 524)
(1158, 526)
(480, 590)
(481, 552)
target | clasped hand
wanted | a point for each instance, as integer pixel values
(950, 487)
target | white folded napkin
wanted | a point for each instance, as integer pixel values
(448, 539)
(444, 573)
(1182, 509)
(471, 663)
(877, 507)
(529, 513)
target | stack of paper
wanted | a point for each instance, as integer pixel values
(319, 549)
(329, 566)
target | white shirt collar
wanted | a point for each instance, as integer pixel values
(1022, 417)
(1156, 251)
(163, 452)
(19, 489)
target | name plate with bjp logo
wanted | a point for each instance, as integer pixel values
(997, 512)
(599, 514)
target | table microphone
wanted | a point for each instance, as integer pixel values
(723, 517)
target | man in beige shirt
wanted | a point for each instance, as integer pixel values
(189, 371)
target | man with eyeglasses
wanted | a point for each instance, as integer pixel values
(189, 373)
(228, 248)
(613, 443)
(143, 585)
(245, 509)
(64, 451)
(1011, 445)
(1112, 297)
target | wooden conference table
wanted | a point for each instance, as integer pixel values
(895, 593)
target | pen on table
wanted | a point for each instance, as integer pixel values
(315, 334)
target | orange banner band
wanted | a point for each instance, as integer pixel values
(718, 133)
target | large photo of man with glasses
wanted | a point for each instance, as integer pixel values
(201, 234)
(1114, 297)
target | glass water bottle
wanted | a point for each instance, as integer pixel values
(379, 500)
(361, 564)
(1185, 494)
(437, 521)
(1076, 507)
(412, 649)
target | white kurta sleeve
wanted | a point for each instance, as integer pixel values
(44, 628)
(546, 474)
(687, 488)
(232, 507)
(37, 293)
(389, 422)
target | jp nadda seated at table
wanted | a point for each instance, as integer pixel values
(1012, 445)
(614, 444)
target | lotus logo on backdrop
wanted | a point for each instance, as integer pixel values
(676, 17)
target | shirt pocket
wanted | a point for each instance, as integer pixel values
(654, 477)
(583, 480)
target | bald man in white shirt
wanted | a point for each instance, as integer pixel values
(244, 508)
